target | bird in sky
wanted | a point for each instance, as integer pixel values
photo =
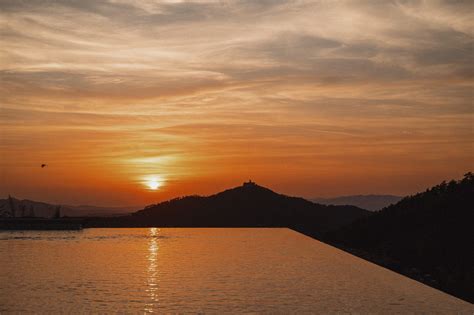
(43, 165)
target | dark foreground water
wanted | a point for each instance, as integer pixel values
(199, 270)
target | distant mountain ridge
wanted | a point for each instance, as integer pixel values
(16, 208)
(368, 202)
(12, 207)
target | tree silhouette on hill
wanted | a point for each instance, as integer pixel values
(430, 233)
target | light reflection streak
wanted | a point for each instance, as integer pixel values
(152, 279)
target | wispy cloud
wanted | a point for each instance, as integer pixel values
(287, 92)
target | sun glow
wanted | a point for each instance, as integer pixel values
(154, 182)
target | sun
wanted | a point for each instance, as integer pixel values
(153, 182)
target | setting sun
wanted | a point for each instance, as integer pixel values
(154, 182)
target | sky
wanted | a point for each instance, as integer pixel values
(308, 98)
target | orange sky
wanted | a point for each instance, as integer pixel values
(309, 98)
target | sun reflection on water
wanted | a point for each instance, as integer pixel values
(152, 280)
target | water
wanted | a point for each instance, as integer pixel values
(199, 270)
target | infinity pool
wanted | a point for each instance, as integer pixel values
(199, 270)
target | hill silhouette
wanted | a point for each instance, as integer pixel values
(249, 205)
(428, 235)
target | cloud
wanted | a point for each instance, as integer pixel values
(254, 83)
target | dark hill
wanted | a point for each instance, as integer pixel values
(429, 234)
(248, 205)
